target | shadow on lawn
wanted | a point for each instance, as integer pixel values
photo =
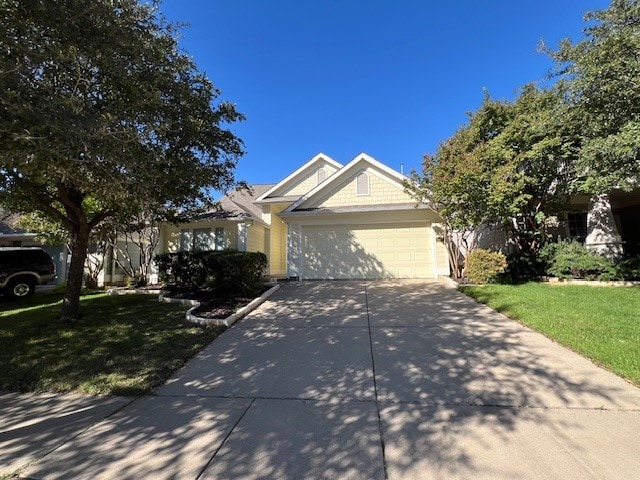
(123, 345)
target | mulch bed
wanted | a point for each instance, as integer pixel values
(213, 304)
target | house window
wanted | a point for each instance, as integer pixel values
(219, 238)
(201, 239)
(362, 184)
(321, 176)
(185, 240)
(577, 222)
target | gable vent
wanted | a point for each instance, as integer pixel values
(322, 175)
(362, 184)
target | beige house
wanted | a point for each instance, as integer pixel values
(324, 221)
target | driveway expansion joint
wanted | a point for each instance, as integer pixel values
(375, 386)
(204, 469)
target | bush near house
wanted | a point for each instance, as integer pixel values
(629, 268)
(573, 260)
(524, 266)
(225, 272)
(484, 266)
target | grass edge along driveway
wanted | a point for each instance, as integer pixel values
(123, 345)
(600, 323)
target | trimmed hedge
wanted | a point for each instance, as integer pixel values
(225, 272)
(484, 266)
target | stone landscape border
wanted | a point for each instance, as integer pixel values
(194, 304)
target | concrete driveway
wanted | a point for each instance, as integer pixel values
(361, 380)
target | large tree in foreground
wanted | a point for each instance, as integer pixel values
(603, 73)
(102, 116)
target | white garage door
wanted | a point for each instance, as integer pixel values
(367, 251)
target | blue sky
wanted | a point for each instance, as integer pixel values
(389, 78)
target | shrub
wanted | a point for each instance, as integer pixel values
(181, 268)
(629, 268)
(225, 272)
(524, 266)
(237, 272)
(573, 260)
(484, 266)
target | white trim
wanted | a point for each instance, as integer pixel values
(318, 158)
(300, 251)
(434, 250)
(344, 171)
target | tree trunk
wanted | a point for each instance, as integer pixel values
(79, 245)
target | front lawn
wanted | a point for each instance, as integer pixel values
(601, 323)
(124, 345)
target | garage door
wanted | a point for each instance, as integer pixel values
(367, 251)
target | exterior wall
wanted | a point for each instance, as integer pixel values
(603, 234)
(441, 255)
(111, 273)
(309, 181)
(381, 192)
(266, 214)
(61, 258)
(170, 234)
(278, 247)
(255, 238)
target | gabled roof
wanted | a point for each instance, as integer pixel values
(359, 162)
(276, 192)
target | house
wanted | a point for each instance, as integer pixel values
(324, 221)
(607, 223)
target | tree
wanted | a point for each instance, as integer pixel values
(513, 162)
(454, 184)
(97, 101)
(531, 160)
(602, 72)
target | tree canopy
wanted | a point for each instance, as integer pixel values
(602, 72)
(99, 106)
(513, 162)
(518, 161)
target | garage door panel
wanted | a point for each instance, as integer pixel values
(367, 251)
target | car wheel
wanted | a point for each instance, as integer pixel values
(21, 288)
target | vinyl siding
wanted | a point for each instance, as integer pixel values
(381, 191)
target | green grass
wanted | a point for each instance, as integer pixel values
(123, 345)
(601, 323)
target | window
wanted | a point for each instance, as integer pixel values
(219, 241)
(321, 175)
(577, 222)
(201, 239)
(362, 184)
(185, 240)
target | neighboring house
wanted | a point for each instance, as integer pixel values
(324, 221)
(607, 223)
(16, 237)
